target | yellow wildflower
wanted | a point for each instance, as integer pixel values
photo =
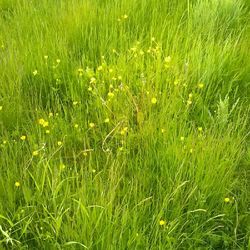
(106, 120)
(227, 200)
(80, 70)
(124, 130)
(23, 137)
(167, 59)
(110, 94)
(35, 153)
(17, 184)
(45, 124)
(92, 80)
(35, 72)
(200, 129)
(162, 222)
(200, 85)
(41, 121)
(153, 100)
(91, 125)
(176, 82)
(59, 143)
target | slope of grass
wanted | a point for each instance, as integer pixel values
(124, 124)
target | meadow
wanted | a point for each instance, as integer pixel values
(124, 124)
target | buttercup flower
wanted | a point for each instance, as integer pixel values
(91, 125)
(162, 222)
(35, 153)
(153, 100)
(23, 137)
(17, 184)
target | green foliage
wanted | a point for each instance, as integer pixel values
(124, 124)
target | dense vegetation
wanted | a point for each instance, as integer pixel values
(124, 124)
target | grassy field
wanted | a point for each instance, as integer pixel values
(124, 124)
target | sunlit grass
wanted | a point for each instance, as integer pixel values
(124, 124)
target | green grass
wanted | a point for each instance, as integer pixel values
(132, 112)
